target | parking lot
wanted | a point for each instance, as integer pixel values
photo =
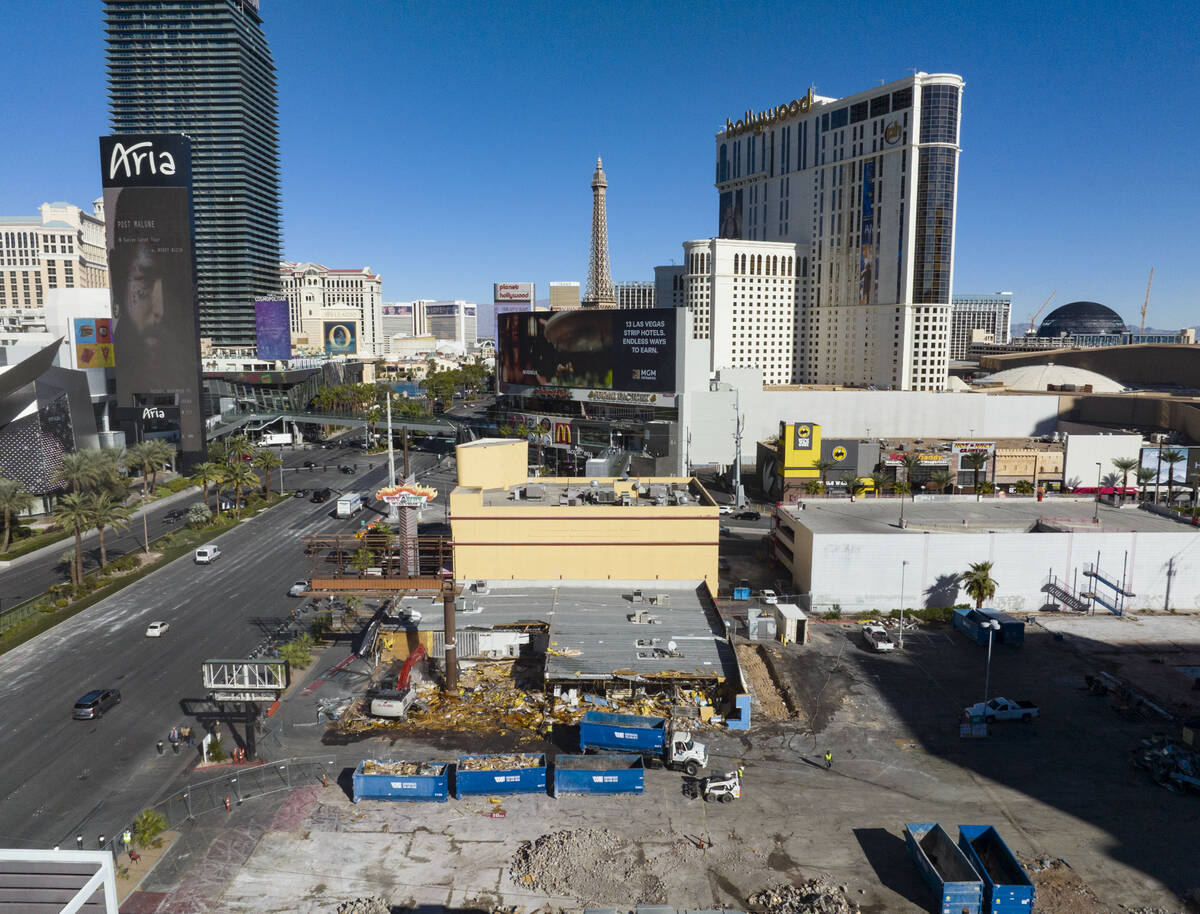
(1060, 787)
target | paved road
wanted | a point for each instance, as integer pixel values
(60, 776)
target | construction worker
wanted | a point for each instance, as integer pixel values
(127, 838)
(828, 759)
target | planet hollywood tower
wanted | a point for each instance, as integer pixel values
(203, 68)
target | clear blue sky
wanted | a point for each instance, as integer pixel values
(449, 145)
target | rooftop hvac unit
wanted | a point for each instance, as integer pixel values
(535, 490)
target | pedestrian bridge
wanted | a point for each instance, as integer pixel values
(260, 420)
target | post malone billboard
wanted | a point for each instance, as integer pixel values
(147, 185)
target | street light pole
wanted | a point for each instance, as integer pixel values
(903, 569)
(1096, 512)
(991, 625)
(393, 510)
(146, 523)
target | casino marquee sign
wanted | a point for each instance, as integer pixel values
(750, 121)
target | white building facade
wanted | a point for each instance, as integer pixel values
(61, 248)
(634, 294)
(865, 187)
(453, 321)
(668, 286)
(317, 294)
(970, 312)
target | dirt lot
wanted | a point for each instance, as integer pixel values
(1061, 788)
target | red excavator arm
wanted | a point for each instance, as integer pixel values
(406, 670)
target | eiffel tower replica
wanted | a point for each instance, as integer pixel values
(599, 291)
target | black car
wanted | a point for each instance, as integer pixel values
(319, 496)
(747, 515)
(95, 703)
(177, 514)
(310, 464)
(347, 469)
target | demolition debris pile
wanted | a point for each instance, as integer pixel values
(370, 905)
(499, 762)
(593, 865)
(408, 769)
(815, 896)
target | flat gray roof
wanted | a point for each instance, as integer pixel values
(988, 515)
(652, 493)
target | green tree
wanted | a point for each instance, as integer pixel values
(241, 476)
(106, 512)
(823, 467)
(161, 455)
(238, 449)
(79, 471)
(1023, 487)
(207, 473)
(986, 487)
(74, 513)
(881, 480)
(940, 479)
(978, 583)
(813, 487)
(1125, 466)
(265, 459)
(362, 560)
(974, 461)
(199, 514)
(901, 488)
(139, 458)
(14, 499)
(1145, 476)
(911, 461)
(1171, 456)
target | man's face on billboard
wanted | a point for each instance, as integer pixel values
(144, 292)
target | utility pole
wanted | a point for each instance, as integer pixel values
(450, 634)
(393, 510)
(903, 568)
(404, 432)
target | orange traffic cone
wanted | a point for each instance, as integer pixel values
(227, 807)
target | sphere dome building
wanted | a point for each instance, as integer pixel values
(1081, 317)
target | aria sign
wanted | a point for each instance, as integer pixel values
(406, 496)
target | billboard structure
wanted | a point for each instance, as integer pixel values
(147, 185)
(591, 351)
(93, 341)
(341, 337)
(512, 293)
(272, 321)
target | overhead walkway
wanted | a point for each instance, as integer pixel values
(258, 420)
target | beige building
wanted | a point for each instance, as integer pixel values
(61, 248)
(564, 295)
(1035, 465)
(317, 294)
(506, 526)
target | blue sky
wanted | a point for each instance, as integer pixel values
(449, 145)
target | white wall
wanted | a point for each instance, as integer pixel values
(1083, 452)
(862, 571)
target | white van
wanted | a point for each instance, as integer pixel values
(206, 555)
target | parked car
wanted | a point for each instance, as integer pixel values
(1002, 709)
(156, 629)
(877, 638)
(768, 596)
(299, 589)
(95, 703)
(747, 515)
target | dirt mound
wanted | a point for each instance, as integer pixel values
(762, 684)
(593, 865)
(370, 905)
(820, 895)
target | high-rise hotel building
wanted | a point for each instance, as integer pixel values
(203, 67)
(862, 191)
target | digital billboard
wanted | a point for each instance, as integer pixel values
(147, 185)
(612, 349)
(274, 331)
(93, 342)
(341, 338)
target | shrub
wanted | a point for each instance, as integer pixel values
(61, 603)
(44, 606)
(199, 514)
(298, 652)
(833, 614)
(322, 625)
(178, 484)
(216, 752)
(148, 825)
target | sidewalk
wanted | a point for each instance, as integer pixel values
(58, 546)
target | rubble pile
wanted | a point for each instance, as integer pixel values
(372, 904)
(820, 895)
(593, 865)
(371, 766)
(508, 762)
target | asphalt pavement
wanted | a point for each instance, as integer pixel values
(63, 777)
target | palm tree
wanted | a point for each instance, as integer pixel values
(823, 467)
(1145, 476)
(106, 511)
(1170, 457)
(206, 474)
(242, 476)
(974, 461)
(880, 479)
(238, 448)
(264, 459)
(139, 458)
(940, 479)
(161, 454)
(901, 488)
(813, 487)
(79, 471)
(1125, 466)
(986, 487)
(978, 583)
(1023, 487)
(14, 499)
(74, 512)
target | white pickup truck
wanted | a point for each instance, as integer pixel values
(1001, 709)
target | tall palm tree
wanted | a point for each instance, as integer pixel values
(161, 454)
(910, 462)
(823, 467)
(940, 479)
(74, 512)
(264, 459)
(14, 499)
(106, 511)
(978, 583)
(238, 448)
(79, 471)
(1145, 476)
(242, 476)
(1125, 466)
(206, 474)
(880, 479)
(974, 461)
(139, 458)
(1170, 457)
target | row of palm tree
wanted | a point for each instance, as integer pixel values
(80, 512)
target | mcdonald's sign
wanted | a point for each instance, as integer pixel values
(562, 432)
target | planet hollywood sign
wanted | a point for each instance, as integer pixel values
(756, 122)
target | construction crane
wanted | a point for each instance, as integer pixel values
(1146, 303)
(1032, 331)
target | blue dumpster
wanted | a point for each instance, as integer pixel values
(378, 780)
(1007, 889)
(494, 774)
(946, 870)
(605, 772)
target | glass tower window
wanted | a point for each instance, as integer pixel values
(939, 114)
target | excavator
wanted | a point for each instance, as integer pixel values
(396, 702)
